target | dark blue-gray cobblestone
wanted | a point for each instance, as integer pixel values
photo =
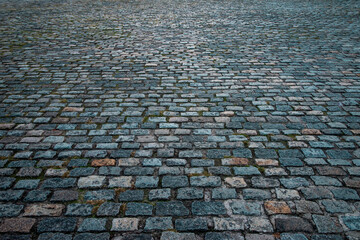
(208, 208)
(92, 225)
(62, 224)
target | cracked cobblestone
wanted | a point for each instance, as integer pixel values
(179, 119)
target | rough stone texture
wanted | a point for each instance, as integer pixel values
(103, 162)
(92, 236)
(258, 237)
(236, 182)
(63, 224)
(223, 193)
(180, 119)
(103, 194)
(91, 182)
(22, 225)
(295, 236)
(131, 195)
(64, 195)
(226, 224)
(274, 207)
(138, 209)
(93, 225)
(208, 208)
(245, 208)
(55, 236)
(325, 224)
(195, 224)
(124, 224)
(55, 183)
(158, 223)
(223, 235)
(10, 210)
(78, 209)
(123, 182)
(44, 210)
(178, 236)
(260, 224)
(172, 208)
(292, 224)
(352, 222)
(108, 209)
(146, 182)
(160, 194)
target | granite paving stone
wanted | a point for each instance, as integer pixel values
(22, 225)
(46, 236)
(44, 209)
(56, 183)
(195, 224)
(108, 209)
(131, 195)
(345, 193)
(171, 208)
(227, 224)
(293, 224)
(351, 222)
(336, 206)
(10, 210)
(103, 194)
(59, 195)
(325, 224)
(179, 119)
(246, 208)
(124, 224)
(190, 193)
(92, 224)
(138, 209)
(208, 208)
(92, 236)
(158, 223)
(62, 224)
(260, 225)
(178, 236)
(91, 181)
(37, 196)
(11, 195)
(78, 209)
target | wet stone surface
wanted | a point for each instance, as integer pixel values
(179, 120)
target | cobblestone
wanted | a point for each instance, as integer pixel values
(62, 195)
(293, 224)
(195, 224)
(77, 209)
(138, 209)
(208, 208)
(179, 119)
(326, 224)
(171, 208)
(352, 222)
(22, 225)
(245, 208)
(158, 223)
(62, 224)
(10, 210)
(44, 210)
(93, 224)
(125, 224)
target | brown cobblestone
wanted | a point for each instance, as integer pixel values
(20, 225)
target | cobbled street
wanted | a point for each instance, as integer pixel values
(179, 120)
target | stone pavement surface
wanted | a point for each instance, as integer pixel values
(179, 119)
